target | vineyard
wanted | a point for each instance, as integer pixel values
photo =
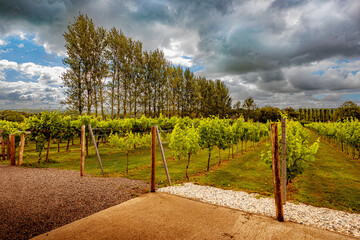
(227, 153)
(344, 135)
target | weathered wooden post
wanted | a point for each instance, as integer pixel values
(276, 172)
(21, 149)
(283, 160)
(82, 161)
(12, 149)
(153, 158)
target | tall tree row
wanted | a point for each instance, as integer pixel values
(109, 73)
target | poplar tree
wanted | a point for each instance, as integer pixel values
(78, 48)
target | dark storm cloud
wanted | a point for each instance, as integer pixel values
(235, 37)
(271, 46)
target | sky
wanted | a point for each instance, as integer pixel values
(297, 53)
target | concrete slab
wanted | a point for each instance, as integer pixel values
(165, 216)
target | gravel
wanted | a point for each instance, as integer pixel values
(333, 220)
(36, 200)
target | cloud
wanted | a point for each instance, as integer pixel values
(22, 94)
(3, 42)
(271, 50)
(45, 75)
(229, 36)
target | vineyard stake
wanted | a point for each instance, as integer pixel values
(21, 149)
(12, 149)
(153, 158)
(283, 160)
(276, 172)
(163, 156)
(96, 149)
(82, 160)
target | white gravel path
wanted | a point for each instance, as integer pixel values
(333, 220)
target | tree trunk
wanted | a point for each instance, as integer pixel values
(68, 143)
(87, 145)
(125, 100)
(208, 163)
(118, 97)
(98, 141)
(187, 166)
(135, 107)
(219, 157)
(48, 149)
(58, 144)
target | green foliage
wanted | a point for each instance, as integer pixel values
(184, 141)
(144, 79)
(347, 110)
(129, 142)
(12, 116)
(298, 152)
(346, 132)
(43, 126)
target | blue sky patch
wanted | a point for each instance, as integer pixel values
(351, 97)
(319, 72)
(26, 50)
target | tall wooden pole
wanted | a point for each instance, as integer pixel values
(21, 149)
(283, 160)
(276, 172)
(12, 149)
(82, 160)
(153, 158)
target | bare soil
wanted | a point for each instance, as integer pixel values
(36, 200)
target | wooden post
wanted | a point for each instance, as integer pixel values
(12, 149)
(153, 158)
(96, 149)
(82, 161)
(21, 149)
(163, 156)
(283, 160)
(276, 172)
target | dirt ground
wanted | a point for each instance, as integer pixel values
(34, 201)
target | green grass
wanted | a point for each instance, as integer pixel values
(114, 162)
(333, 180)
(246, 172)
